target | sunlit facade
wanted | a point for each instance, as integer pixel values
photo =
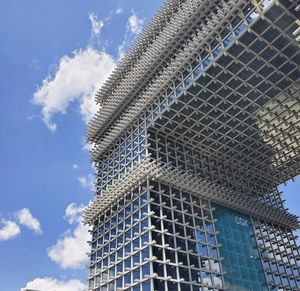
(199, 124)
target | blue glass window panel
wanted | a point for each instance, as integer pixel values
(127, 234)
(206, 62)
(120, 253)
(111, 286)
(202, 249)
(188, 81)
(242, 264)
(144, 209)
(177, 92)
(104, 276)
(106, 248)
(197, 71)
(99, 253)
(200, 235)
(127, 278)
(145, 237)
(112, 257)
(146, 286)
(105, 262)
(127, 262)
(212, 251)
(136, 243)
(240, 28)
(136, 258)
(146, 269)
(120, 267)
(209, 226)
(128, 248)
(211, 239)
(252, 17)
(228, 41)
(114, 220)
(216, 52)
(136, 274)
(145, 253)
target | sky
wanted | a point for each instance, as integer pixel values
(54, 55)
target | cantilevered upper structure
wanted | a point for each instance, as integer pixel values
(199, 124)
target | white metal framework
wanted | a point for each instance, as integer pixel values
(204, 110)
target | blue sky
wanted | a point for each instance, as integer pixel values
(53, 56)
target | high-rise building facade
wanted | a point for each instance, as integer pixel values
(199, 124)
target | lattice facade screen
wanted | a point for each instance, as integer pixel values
(199, 125)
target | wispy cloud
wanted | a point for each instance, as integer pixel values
(76, 78)
(50, 284)
(97, 24)
(73, 212)
(25, 218)
(87, 182)
(70, 250)
(75, 167)
(119, 10)
(133, 28)
(135, 24)
(9, 229)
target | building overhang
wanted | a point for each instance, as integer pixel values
(149, 169)
(193, 56)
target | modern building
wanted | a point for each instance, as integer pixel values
(199, 124)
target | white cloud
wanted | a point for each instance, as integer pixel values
(24, 217)
(119, 10)
(87, 146)
(122, 50)
(133, 28)
(9, 229)
(87, 182)
(135, 24)
(75, 167)
(76, 79)
(70, 250)
(96, 23)
(73, 212)
(51, 284)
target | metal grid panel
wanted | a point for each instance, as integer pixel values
(184, 241)
(280, 256)
(120, 253)
(174, 177)
(186, 47)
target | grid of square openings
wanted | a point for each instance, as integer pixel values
(184, 241)
(190, 159)
(280, 256)
(120, 253)
(264, 62)
(122, 157)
